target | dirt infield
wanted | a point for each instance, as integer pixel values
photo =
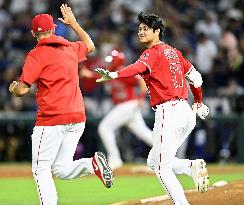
(15, 170)
(230, 194)
(212, 169)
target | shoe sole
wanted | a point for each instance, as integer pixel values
(203, 179)
(107, 174)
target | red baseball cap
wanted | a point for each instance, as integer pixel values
(42, 23)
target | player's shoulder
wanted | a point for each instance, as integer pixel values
(145, 51)
(172, 52)
(146, 54)
(166, 46)
(160, 48)
(33, 52)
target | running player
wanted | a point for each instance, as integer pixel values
(60, 122)
(166, 72)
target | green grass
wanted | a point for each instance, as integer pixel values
(90, 191)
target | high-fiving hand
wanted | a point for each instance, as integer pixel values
(68, 16)
(105, 75)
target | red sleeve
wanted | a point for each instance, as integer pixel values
(148, 58)
(81, 50)
(197, 93)
(132, 70)
(184, 62)
(31, 70)
(130, 81)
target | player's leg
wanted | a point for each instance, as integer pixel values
(181, 152)
(195, 168)
(151, 159)
(117, 117)
(138, 126)
(183, 166)
(64, 167)
(46, 141)
(165, 144)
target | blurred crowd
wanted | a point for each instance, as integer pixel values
(209, 33)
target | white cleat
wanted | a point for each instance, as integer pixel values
(200, 175)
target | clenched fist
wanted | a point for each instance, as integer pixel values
(201, 110)
(12, 86)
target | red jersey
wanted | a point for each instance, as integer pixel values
(124, 89)
(53, 66)
(163, 69)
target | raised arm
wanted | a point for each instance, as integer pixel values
(70, 20)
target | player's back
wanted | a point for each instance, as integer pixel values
(58, 85)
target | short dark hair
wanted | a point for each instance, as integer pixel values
(152, 21)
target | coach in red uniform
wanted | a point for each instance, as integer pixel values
(165, 72)
(60, 122)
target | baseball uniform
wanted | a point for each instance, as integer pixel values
(60, 121)
(164, 70)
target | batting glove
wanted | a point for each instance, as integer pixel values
(105, 75)
(201, 110)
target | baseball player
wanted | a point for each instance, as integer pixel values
(126, 112)
(166, 73)
(60, 122)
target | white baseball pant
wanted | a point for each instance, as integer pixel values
(174, 121)
(125, 114)
(53, 148)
